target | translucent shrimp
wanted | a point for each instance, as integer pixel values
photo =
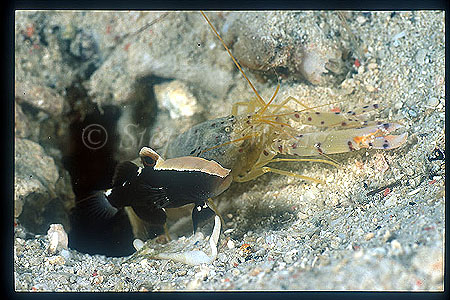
(247, 143)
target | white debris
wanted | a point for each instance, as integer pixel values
(57, 237)
(177, 99)
(420, 56)
(196, 257)
(138, 244)
(230, 244)
(399, 35)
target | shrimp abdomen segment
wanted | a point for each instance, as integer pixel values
(324, 119)
(341, 141)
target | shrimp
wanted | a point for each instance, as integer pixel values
(246, 143)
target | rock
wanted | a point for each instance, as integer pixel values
(396, 247)
(433, 102)
(263, 42)
(166, 53)
(177, 99)
(36, 188)
(56, 260)
(420, 56)
(21, 128)
(40, 97)
(361, 19)
(230, 244)
(57, 237)
(369, 236)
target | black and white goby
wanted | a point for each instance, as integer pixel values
(161, 184)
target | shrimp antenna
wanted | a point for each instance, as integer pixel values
(261, 101)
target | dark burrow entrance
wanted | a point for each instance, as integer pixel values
(90, 157)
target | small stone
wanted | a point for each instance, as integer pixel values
(399, 35)
(361, 20)
(360, 70)
(181, 272)
(396, 246)
(235, 272)
(57, 237)
(56, 260)
(230, 244)
(18, 206)
(255, 271)
(433, 102)
(281, 265)
(391, 200)
(65, 253)
(144, 263)
(97, 279)
(372, 66)
(369, 236)
(420, 56)
(72, 279)
(370, 88)
(177, 99)
(412, 113)
(335, 243)
(138, 244)
(398, 105)
(260, 253)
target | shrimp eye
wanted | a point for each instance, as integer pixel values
(227, 129)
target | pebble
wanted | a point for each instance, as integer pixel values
(57, 237)
(97, 279)
(177, 99)
(399, 35)
(370, 88)
(412, 113)
(56, 260)
(255, 271)
(144, 264)
(288, 259)
(335, 243)
(361, 70)
(413, 192)
(396, 247)
(379, 252)
(235, 272)
(230, 244)
(372, 66)
(281, 265)
(138, 244)
(398, 105)
(65, 253)
(369, 236)
(361, 20)
(420, 56)
(391, 200)
(433, 102)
